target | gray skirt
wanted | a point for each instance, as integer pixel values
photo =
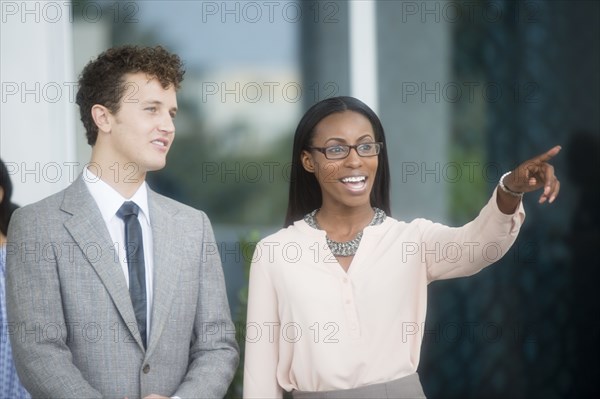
(403, 388)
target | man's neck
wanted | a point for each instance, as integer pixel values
(124, 177)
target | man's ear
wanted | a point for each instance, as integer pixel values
(102, 118)
(307, 161)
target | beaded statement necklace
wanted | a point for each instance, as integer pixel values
(347, 248)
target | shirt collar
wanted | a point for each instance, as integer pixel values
(109, 200)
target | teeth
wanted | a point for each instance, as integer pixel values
(354, 179)
(159, 143)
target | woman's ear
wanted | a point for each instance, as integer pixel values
(307, 161)
(102, 118)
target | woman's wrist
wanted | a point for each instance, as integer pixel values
(506, 189)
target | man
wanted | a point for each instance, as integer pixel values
(112, 289)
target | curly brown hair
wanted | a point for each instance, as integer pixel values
(102, 80)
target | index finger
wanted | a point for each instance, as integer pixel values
(549, 154)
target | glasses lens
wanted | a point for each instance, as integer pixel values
(336, 152)
(368, 149)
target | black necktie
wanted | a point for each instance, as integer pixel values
(134, 247)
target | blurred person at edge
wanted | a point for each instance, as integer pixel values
(10, 386)
(329, 318)
(125, 298)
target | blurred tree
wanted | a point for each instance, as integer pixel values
(247, 246)
(238, 189)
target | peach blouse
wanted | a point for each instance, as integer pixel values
(313, 327)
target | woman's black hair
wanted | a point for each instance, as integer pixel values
(305, 192)
(6, 207)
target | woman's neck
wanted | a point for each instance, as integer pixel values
(342, 224)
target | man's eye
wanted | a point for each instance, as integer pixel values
(151, 109)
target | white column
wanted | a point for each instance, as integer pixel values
(363, 52)
(38, 86)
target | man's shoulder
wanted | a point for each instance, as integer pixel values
(52, 202)
(44, 214)
(175, 206)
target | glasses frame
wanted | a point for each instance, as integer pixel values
(323, 150)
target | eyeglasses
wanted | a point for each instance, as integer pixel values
(341, 151)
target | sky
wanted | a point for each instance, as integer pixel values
(215, 34)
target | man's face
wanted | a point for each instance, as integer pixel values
(143, 129)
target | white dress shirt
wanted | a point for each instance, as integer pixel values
(109, 201)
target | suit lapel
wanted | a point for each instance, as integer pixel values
(167, 241)
(89, 232)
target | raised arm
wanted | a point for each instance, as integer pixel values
(463, 251)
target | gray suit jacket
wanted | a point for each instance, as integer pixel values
(71, 321)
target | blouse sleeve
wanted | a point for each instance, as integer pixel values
(450, 252)
(262, 335)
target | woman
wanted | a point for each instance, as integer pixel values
(338, 297)
(10, 386)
